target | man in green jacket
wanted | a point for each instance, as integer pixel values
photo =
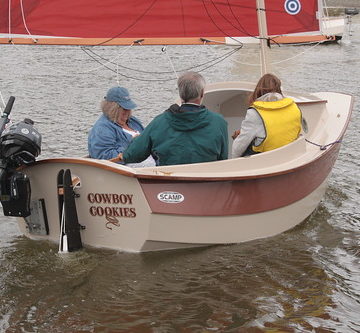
(189, 133)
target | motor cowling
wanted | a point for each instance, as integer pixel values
(20, 144)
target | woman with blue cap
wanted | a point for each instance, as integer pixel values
(116, 127)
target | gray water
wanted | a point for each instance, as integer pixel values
(304, 280)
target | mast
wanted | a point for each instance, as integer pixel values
(263, 34)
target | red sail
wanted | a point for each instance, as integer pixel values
(153, 18)
(292, 16)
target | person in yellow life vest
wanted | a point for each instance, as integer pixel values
(271, 121)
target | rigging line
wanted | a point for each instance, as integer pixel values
(20, 50)
(210, 63)
(219, 60)
(237, 20)
(88, 50)
(326, 9)
(243, 30)
(126, 76)
(183, 17)
(24, 21)
(164, 72)
(129, 26)
(158, 80)
(297, 55)
(107, 60)
(284, 60)
(246, 64)
(216, 60)
(213, 21)
(2, 100)
(9, 19)
(323, 147)
(164, 50)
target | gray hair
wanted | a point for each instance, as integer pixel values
(191, 86)
(110, 110)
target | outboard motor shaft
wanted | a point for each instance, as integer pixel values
(20, 144)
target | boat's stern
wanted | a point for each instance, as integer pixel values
(106, 202)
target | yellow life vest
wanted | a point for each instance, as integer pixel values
(282, 122)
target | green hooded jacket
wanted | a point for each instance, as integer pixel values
(181, 135)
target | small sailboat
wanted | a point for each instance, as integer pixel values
(81, 201)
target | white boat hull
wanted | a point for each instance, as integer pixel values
(142, 230)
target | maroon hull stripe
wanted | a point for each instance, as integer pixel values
(242, 196)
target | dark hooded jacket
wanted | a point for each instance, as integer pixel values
(180, 135)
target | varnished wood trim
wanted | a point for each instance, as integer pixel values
(155, 41)
(87, 162)
(321, 101)
(111, 41)
(302, 39)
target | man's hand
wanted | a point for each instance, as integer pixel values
(118, 158)
(235, 134)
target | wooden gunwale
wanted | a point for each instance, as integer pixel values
(312, 102)
(90, 162)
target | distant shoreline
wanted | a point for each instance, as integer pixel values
(337, 7)
(343, 3)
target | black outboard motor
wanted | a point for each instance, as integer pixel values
(20, 144)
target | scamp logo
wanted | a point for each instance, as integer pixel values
(170, 197)
(292, 7)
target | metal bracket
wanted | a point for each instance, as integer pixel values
(37, 222)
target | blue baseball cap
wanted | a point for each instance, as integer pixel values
(121, 96)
